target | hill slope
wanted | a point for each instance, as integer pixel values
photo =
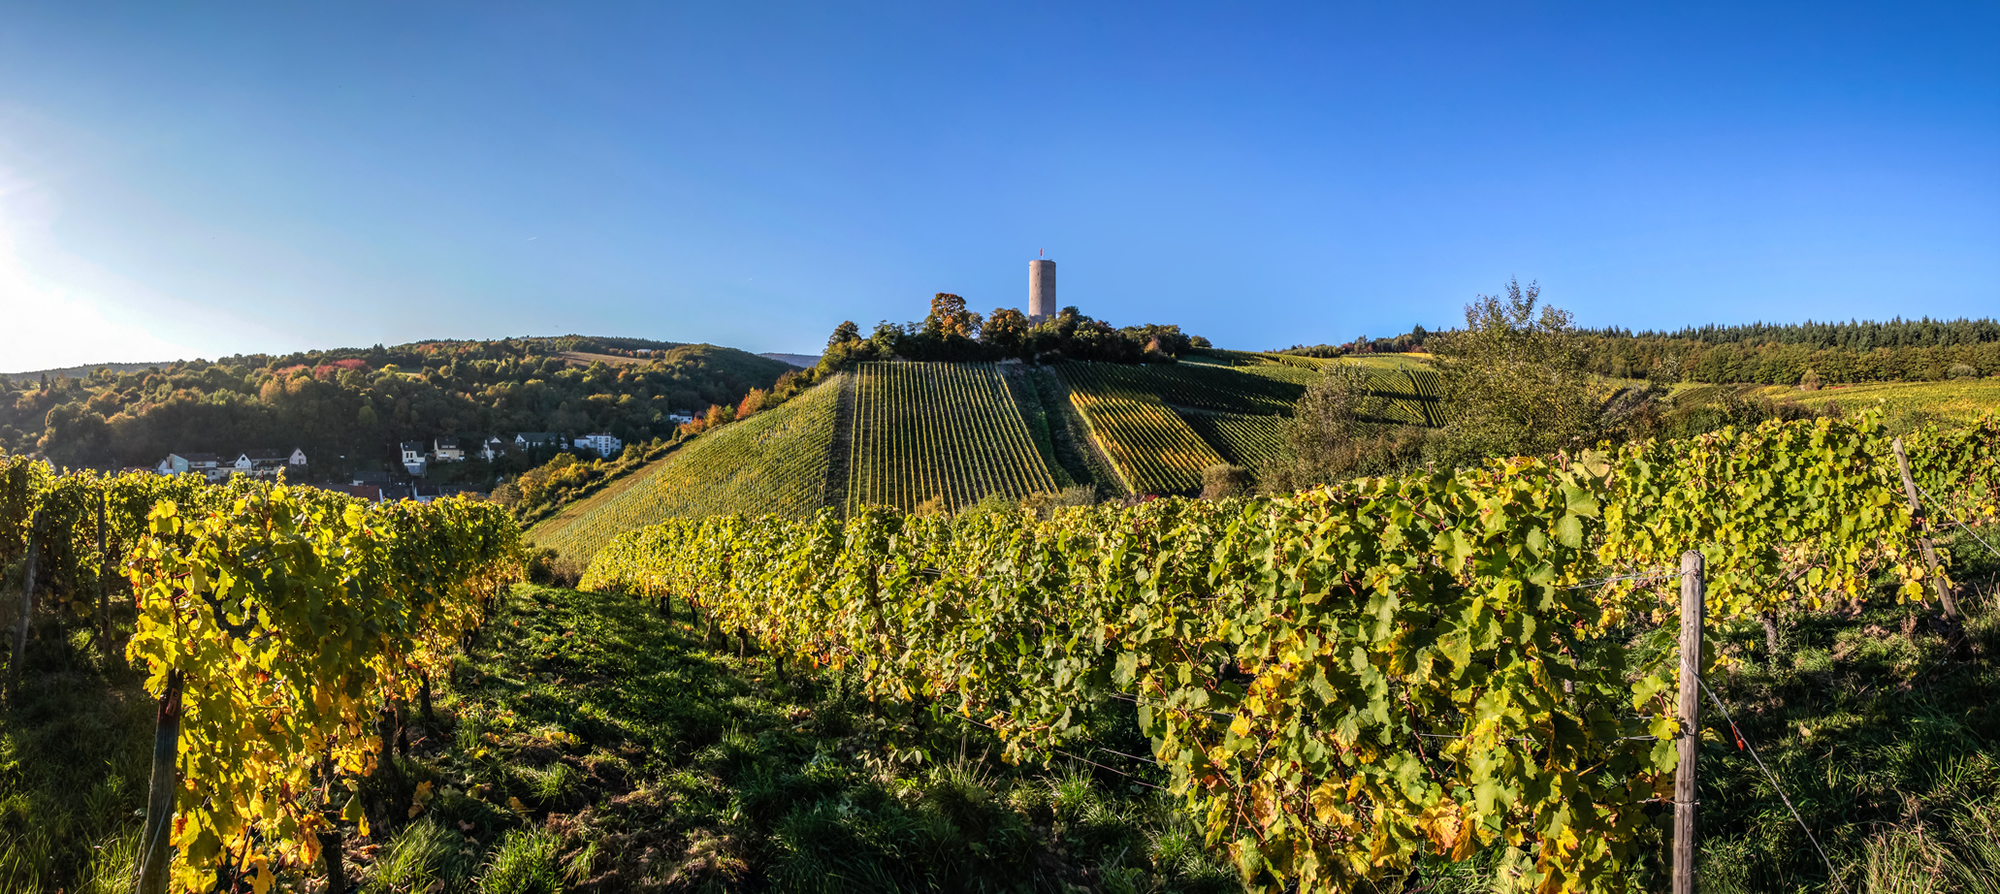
(773, 463)
(950, 434)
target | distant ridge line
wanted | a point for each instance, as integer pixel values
(802, 361)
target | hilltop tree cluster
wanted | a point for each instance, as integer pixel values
(951, 332)
(360, 403)
(1409, 342)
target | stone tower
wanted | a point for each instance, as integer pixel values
(1041, 290)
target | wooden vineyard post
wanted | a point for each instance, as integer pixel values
(1917, 513)
(1692, 610)
(103, 571)
(27, 604)
(154, 853)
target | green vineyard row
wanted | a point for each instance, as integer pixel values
(946, 431)
(1263, 389)
(1248, 441)
(273, 624)
(1151, 448)
(1345, 680)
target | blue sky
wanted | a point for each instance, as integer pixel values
(197, 181)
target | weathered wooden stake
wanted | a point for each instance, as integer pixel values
(1690, 715)
(1930, 553)
(103, 571)
(154, 854)
(27, 605)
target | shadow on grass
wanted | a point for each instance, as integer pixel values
(1883, 726)
(75, 745)
(639, 755)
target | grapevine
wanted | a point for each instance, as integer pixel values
(1347, 679)
(285, 621)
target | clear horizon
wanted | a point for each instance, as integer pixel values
(179, 183)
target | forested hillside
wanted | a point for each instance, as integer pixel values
(1921, 350)
(1833, 353)
(347, 408)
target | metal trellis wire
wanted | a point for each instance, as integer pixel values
(1744, 744)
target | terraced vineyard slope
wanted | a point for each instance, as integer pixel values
(947, 431)
(1241, 438)
(773, 463)
(1262, 389)
(1411, 394)
(910, 433)
(1151, 448)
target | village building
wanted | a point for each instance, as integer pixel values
(259, 463)
(603, 444)
(186, 463)
(529, 440)
(414, 458)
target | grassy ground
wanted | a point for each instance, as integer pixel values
(75, 746)
(596, 747)
(1881, 724)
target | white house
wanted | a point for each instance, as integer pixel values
(604, 444)
(185, 463)
(413, 457)
(257, 463)
(529, 440)
(680, 418)
(269, 464)
(491, 448)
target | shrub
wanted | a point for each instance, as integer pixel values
(550, 568)
(1224, 480)
(1962, 371)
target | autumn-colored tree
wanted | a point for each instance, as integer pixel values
(718, 415)
(1006, 328)
(949, 317)
(752, 402)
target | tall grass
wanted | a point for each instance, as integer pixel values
(424, 859)
(524, 863)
